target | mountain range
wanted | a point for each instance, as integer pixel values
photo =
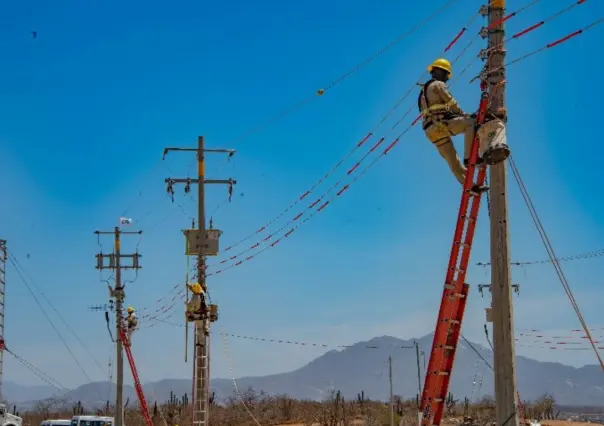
(362, 367)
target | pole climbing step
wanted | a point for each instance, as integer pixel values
(137, 383)
(455, 293)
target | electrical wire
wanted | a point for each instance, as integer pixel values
(227, 352)
(355, 148)
(521, 33)
(536, 51)
(296, 106)
(476, 351)
(35, 297)
(42, 375)
(548, 246)
(581, 256)
(18, 264)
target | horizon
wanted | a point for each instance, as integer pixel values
(128, 381)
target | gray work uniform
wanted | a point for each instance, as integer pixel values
(443, 118)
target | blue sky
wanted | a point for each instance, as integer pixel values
(89, 105)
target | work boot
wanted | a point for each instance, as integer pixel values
(478, 189)
(497, 155)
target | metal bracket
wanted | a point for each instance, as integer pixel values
(484, 10)
(483, 54)
(100, 261)
(484, 32)
(515, 287)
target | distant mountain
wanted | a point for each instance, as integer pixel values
(358, 368)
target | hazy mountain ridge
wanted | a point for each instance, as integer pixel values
(358, 368)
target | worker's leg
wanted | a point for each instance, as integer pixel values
(439, 136)
(463, 125)
(448, 152)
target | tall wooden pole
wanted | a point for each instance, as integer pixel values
(501, 285)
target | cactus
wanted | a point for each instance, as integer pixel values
(450, 403)
(77, 408)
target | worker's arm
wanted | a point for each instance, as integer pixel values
(441, 89)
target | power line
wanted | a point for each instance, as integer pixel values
(581, 256)
(555, 43)
(18, 264)
(546, 241)
(484, 52)
(299, 104)
(42, 375)
(33, 294)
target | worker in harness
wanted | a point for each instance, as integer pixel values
(196, 308)
(443, 118)
(131, 322)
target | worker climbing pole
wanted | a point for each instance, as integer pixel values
(118, 293)
(201, 242)
(488, 147)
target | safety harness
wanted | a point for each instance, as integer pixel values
(437, 111)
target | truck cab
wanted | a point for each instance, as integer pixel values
(91, 421)
(56, 422)
(8, 419)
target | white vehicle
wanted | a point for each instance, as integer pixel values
(91, 421)
(56, 422)
(8, 419)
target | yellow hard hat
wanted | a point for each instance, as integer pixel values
(196, 288)
(443, 64)
(130, 309)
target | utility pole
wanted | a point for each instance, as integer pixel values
(391, 393)
(3, 258)
(501, 288)
(118, 293)
(201, 242)
(419, 375)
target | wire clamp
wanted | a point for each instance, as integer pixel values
(484, 10)
(484, 54)
(484, 32)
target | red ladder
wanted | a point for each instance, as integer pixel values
(452, 306)
(137, 383)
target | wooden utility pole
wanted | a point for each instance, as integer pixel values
(391, 392)
(201, 242)
(501, 284)
(118, 293)
(419, 374)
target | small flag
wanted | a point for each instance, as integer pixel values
(125, 221)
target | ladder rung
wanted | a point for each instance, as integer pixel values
(449, 347)
(459, 243)
(443, 373)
